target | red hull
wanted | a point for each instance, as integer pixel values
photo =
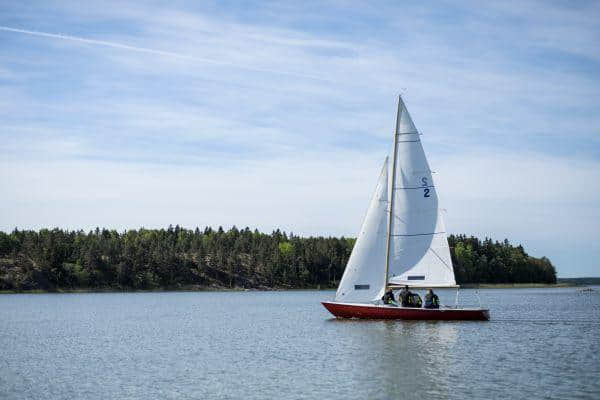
(371, 311)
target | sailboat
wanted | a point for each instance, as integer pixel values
(402, 241)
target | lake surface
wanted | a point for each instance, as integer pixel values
(540, 343)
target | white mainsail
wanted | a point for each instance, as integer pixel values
(363, 278)
(419, 252)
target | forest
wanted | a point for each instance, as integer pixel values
(178, 258)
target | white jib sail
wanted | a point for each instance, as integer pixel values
(419, 255)
(363, 278)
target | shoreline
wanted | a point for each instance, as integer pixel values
(276, 289)
(191, 288)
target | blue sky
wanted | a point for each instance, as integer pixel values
(279, 114)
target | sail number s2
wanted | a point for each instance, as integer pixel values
(425, 188)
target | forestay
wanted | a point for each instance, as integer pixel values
(419, 253)
(363, 279)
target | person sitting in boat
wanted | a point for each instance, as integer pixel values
(388, 298)
(404, 296)
(431, 300)
(414, 300)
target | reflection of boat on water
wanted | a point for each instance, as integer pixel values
(402, 240)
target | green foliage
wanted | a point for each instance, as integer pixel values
(168, 258)
(176, 257)
(286, 249)
(477, 261)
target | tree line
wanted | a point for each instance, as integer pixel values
(183, 258)
(477, 261)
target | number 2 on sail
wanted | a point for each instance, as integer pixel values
(425, 190)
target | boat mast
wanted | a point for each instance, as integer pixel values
(391, 215)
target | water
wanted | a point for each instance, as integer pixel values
(540, 343)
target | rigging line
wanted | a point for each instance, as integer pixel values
(399, 219)
(420, 234)
(421, 211)
(417, 187)
(440, 258)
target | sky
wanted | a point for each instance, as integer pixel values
(278, 114)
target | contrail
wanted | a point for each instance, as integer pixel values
(156, 52)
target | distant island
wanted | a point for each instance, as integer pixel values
(178, 258)
(584, 281)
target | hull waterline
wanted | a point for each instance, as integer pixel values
(371, 311)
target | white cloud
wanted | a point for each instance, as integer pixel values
(521, 195)
(294, 194)
(548, 204)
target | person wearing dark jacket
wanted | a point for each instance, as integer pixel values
(414, 300)
(404, 296)
(431, 300)
(388, 298)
